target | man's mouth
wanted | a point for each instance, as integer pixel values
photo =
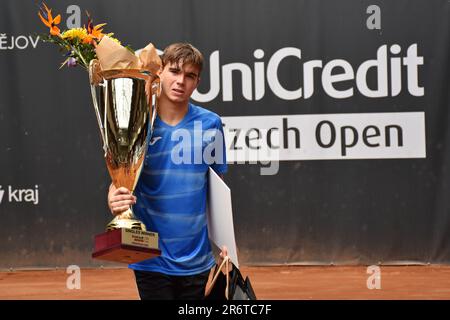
(178, 91)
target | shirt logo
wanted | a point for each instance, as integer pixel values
(154, 140)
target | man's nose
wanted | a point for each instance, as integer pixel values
(180, 79)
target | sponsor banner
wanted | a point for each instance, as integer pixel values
(20, 42)
(12, 194)
(325, 136)
(391, 67)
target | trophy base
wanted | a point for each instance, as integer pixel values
(126, 245)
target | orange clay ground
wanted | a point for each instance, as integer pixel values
(269, 283)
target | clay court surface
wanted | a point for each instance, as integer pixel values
(270, 283)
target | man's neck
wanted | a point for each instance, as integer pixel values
(171, 113)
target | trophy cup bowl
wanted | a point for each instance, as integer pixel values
(123, 106)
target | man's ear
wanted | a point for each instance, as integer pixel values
(198, 82)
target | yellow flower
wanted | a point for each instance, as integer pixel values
(74, 33)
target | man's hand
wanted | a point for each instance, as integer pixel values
(119, 200)
(222, 255)
(224, 252)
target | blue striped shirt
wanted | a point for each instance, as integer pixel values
(172, 189)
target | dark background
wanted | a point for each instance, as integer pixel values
(311, 212)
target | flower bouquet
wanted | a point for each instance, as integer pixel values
(78, 43)
(83, 45)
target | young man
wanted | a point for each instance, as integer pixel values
(171, 191)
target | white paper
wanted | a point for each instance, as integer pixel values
(220, 215)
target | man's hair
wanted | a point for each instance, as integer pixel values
(184, 53)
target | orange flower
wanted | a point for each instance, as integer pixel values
(94, 32)
(49, 21)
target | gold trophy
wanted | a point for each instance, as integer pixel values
(123, 104)
(122, 85)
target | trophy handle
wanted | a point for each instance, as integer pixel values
(95, 79)
(153, 89)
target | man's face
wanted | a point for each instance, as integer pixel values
(179, 81)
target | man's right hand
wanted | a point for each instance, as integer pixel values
(119, 200)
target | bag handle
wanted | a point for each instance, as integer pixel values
(226, 263)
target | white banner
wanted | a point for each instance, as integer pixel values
(325, 136)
